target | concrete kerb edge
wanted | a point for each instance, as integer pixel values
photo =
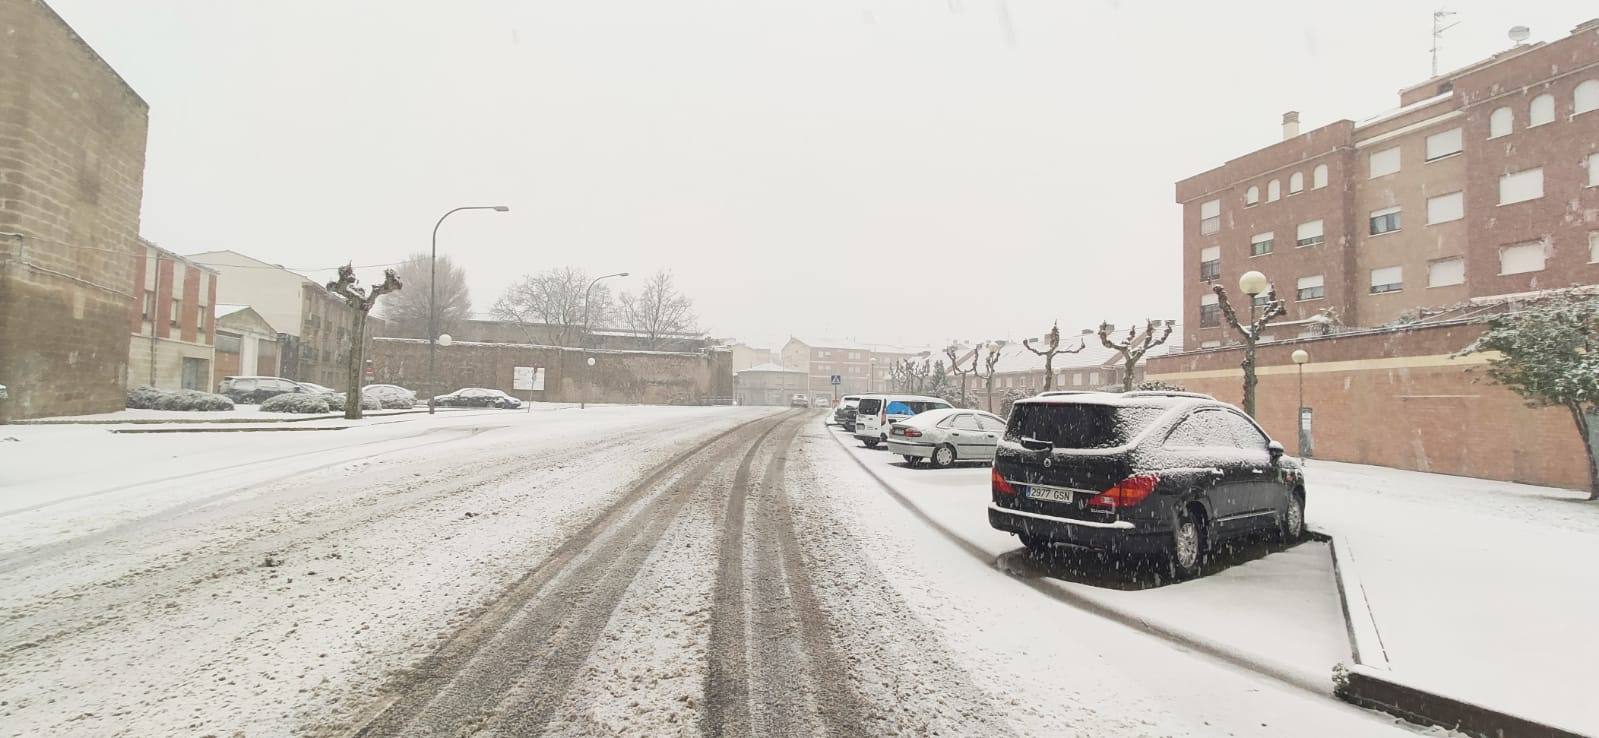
(1370, 684)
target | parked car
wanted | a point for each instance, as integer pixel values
(390, 396)
(819, 402)
(876, 412)
(319, 388)
(844, 412)
(1161, 473)
(799, 401)
(477, 397)
(251, 390)
(944, 437)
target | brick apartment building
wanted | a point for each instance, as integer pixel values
(313, 324)
(173, 321)
(861, 367)
(72, 148)
(1484, 181)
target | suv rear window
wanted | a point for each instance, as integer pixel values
(870, 406)
(1071, 425)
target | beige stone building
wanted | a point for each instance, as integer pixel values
(770, 384)
(72, 147)
(246, 345)
(174, 325)
(860, 366)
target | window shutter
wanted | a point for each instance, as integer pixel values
(1444, 208)
(1443, 144)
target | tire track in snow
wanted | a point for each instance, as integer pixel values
(773, 669)
(535, 639)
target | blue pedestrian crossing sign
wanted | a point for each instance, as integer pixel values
(837, 379)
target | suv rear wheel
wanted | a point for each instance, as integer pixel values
(1292, 523)
(1187, 553)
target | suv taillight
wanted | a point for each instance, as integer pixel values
(1127, 492)
(998, 483)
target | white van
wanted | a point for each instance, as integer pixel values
(876, 412)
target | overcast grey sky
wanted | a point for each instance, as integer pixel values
(889, 170)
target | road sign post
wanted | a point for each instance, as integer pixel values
(837, 380)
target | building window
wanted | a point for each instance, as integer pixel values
(1210, 264)
(821, 354)
(1444, 208)
(1521, 186)
(199, 320)
(1210, 217)
(1440, 145)
(1274, 191)
(1310, 234)
(149, 305)
(1387, 279)
(854, 355)
(1251, 196)
(1296, 182)
(1318, 177)
(1093, 379)
(1541, 111)
(176, 312)
(1585, 98)
(1260, 244)
(1446, 272)
(1593, 247)
(1384, 221)
(1077, 379)
(1521, 258)
(1383, 163)
(1310, 288)
(1209, 313)
(1593, 170)
(1501, 122)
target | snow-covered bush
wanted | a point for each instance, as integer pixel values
(295, 402)
(336, 402)
(149, 398)
(1155, 385)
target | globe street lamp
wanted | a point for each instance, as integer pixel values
(582, 400)
(433, 281)
(1301, 357)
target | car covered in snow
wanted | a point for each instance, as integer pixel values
(252, 390)
(1165, 473)
(944, 437)
(477, 397)
(799, 401)
(391, 396)
(844, 411)
(876, 412)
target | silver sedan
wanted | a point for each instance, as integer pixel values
(946, 436)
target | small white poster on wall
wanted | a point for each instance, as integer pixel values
(528, 378)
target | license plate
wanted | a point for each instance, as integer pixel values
(1053, 494)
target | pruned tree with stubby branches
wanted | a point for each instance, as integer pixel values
(362, 301)
(952, 351)
(1134, 346)
(1051, 347)
(989, 362)
(1273, 308)
(1549, 354)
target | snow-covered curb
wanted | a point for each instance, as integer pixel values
(1365, 642)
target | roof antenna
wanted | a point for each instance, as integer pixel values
(1438, 28)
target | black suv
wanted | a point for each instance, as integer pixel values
(1164, 473)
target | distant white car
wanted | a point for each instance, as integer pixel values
(390, 396)
(799, 401)
(946, 436)
(477, 397)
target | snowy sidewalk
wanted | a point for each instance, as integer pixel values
(1484, 591)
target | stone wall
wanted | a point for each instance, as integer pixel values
(1396, 398)
(644, 377)
(72, 147)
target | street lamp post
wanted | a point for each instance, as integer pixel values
(1253, 284)
(1301, 358)
(871, 376)
(433, 291)
(582, 399)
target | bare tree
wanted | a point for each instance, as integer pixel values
(1134, 346)
(952, 351)
(1051, 347)
(407, 310)
(658, 310)
(989, 361)
(1274, 307)
(554, 298)
(362, 301)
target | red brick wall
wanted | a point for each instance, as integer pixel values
(188, 320)
(1376, 400)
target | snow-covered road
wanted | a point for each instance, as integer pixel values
(636, 571)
